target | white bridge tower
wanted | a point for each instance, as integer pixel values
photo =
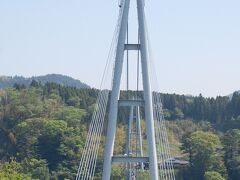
(159, 164)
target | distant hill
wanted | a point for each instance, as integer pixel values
(8, 81)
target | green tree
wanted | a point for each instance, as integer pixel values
(213, 175)
(12, 171)
(37, 168)
(203, 150)
(177, 114)
(232, 153)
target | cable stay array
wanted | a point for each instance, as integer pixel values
(88, 160)
(163, 149)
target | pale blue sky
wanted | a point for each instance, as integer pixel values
(196, 43)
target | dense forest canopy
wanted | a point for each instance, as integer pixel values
(43, 129)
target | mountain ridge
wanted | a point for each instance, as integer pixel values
(9, 81)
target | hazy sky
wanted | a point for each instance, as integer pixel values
(196, 43)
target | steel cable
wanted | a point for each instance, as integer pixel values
(88, 161)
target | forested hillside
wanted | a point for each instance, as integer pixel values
(43, 129)
(8, 81)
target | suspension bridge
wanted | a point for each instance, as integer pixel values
(143, 105)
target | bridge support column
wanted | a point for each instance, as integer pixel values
(112, 121)
(153, 166)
